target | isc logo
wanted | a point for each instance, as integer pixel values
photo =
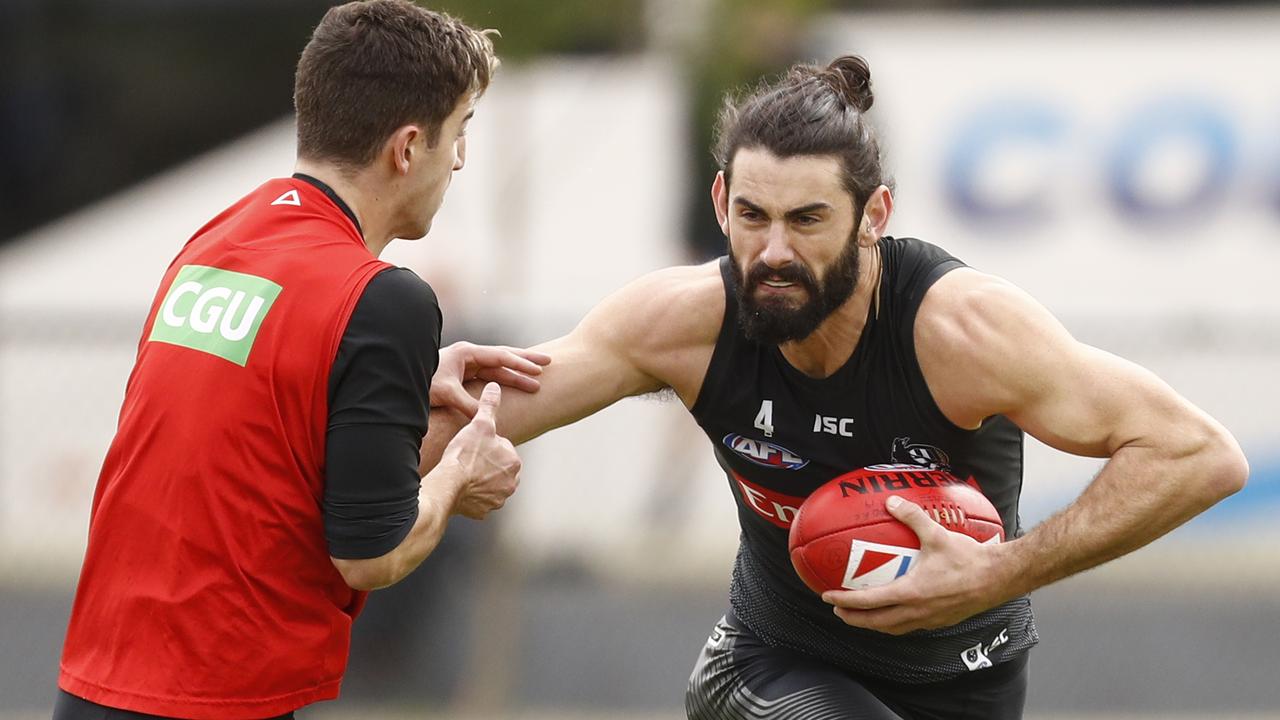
(764, 453)
(214, 311)
(833, 425)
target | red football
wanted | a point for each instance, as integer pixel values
(843, 537)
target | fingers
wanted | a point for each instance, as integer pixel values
(513, 355)
(529, 362)
(510, 378)
(506, 357)
(533, 356)
(910, 514)
(869, 599)
(488, 406)
(513, 367)
(872, 610)
(894, 621)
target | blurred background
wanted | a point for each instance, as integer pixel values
(1120, 161)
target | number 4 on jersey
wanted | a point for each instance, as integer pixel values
(764, 418)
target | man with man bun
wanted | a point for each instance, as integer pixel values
(816, 315)
(263, 477)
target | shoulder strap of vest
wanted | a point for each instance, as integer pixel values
(729, 337)
(915, 266)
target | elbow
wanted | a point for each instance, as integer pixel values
(1236, 471)
(365, 582)
(1226, 468)
(367, 575)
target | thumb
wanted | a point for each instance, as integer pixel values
(489, 400)
(911, 515)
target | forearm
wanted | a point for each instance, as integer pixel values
(436, 500)
(1142, 493)
(446, 422)
(574, 386)
(444, 425)
(523, 415)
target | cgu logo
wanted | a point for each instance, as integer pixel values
(215, 311)
(210, 305)
(764, 453)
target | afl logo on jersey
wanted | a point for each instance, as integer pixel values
(764, 453)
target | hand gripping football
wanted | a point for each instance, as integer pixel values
(843, 537)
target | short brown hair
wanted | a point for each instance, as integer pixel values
(809, 111)
(377, 65)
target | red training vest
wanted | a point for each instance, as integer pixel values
(207, 589)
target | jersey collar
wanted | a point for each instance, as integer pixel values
(329, 193)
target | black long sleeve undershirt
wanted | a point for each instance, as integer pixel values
(378, 404)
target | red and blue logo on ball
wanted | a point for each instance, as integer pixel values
(872, 564)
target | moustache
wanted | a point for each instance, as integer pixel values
(797, 274)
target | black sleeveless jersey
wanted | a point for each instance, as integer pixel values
(780, 434)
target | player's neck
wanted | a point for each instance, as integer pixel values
(374, 225)
(828, 348)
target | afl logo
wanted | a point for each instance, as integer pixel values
(764, 453)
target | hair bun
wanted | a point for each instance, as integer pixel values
(850, 76)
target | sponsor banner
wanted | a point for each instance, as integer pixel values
(778, 508)
(1129, 185)
(214, 311)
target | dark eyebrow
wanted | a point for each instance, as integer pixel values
(791, 214)
(806, 209)
(750, 205)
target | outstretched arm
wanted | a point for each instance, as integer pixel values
(654, 333)
(987, 348)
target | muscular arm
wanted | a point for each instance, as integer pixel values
(987, 348)
(1169, 461)
(657, 332)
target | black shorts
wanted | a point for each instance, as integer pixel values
(738, 677)
(70, 707)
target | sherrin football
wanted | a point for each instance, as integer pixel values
(843, 537)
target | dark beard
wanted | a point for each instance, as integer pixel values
(772, 323)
